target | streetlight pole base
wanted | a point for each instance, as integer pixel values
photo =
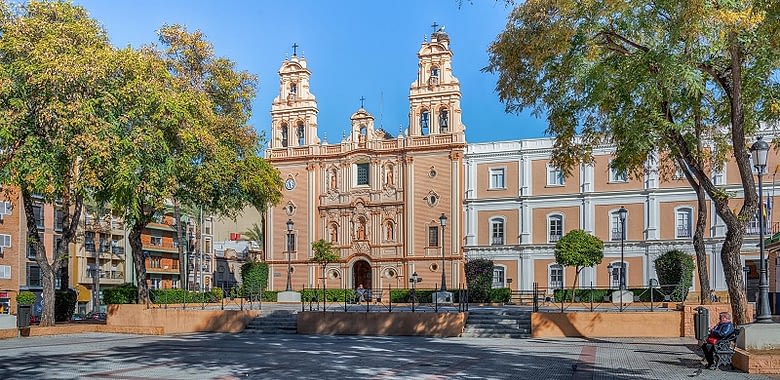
(288, 297)
(443, 297)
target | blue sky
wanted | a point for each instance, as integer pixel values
(354, 49)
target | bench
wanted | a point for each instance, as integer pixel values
(724, 350)
(369, 295)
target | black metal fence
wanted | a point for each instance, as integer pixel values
(387, 299)
(594, 298)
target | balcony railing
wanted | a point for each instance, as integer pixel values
(683, 232)
(616, 234)
(497, 240)
(554, 238)
(118, 250)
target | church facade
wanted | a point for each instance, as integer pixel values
(391, 205)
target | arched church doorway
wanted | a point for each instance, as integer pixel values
(361, 274)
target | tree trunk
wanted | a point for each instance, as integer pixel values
(574, 285)
(181, 244)
(699, 248)
(47, 273)
(138, 262)
(733, 271)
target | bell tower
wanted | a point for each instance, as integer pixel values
(434, 98)
(294, 110)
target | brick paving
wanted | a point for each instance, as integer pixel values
(251, 356)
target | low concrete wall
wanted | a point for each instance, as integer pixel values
(757, 362)
(400, 323)
(176, 321)
(663, 324)
(9, 333)
(87, 328)
(689, 311)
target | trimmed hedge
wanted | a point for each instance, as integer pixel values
(584, 295)
(122, 294)
(169, 296)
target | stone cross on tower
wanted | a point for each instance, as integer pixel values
(362, 99)
(295, 49)
(434, 26)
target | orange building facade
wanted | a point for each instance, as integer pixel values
(377, 197)
(517, 206)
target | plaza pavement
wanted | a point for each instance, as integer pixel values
(257, 356)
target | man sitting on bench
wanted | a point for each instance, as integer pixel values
(361, 294)
(723, 329)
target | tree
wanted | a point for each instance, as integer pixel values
(185, 136)
(578, 249)
(324, 254)
(685, 80)
(55, 85)
(255, 234)
(675, 268)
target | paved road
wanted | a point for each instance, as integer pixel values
(256, 356)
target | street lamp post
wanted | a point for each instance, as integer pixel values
(290, 225)
(759, 149)
(443, 222)
(622, 213)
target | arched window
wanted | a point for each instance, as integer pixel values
(683, 224)
(363, 130)
(444, 120)
(497, 231)
(294, 88)
(555, 227)
(301, 139)
(424, 122)
(284, 135)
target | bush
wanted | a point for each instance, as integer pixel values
(26, 298)
(597, 295)
(479, 277)
(217, 293)
(501, 295)
(122, 294)
(675, 268)
(171, 296)
(64, 305)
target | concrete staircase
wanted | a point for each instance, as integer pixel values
(275, 322)
(498, 323)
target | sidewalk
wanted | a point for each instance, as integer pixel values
(250, 356)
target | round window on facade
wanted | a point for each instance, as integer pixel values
(432, 173)
(333, 274)
(434, 267)
(390, 273)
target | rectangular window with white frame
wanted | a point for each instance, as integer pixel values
(556, 228)
(718, 177)
(616, 175)
(498, 277)
(497, 178)
(497, 232)
(5, 241)
(683, 222)
(556, 276)
(5, 208)
(554, 176)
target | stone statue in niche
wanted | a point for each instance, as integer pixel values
(333, 179)
(334, 233)
(389, 176)
(361, 230)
